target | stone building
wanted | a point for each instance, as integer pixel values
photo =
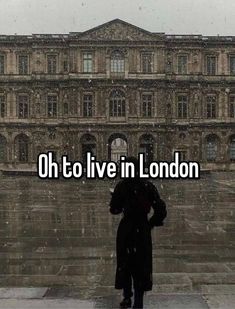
(117, 85)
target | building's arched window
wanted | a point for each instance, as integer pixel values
(22, 148)
(3, 148)
(117, 62)
(212, 148)
(232, 148)
(117, 104)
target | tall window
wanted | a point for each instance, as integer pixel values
(117, 104)
(87, 62)
(182, 64)
(87, 105)
(22, 146)
(147, 104)
(23, 106)
(117, 62)
(3, 146)
(232, 106)
(23, 64)
(232, 149)
(182, 106)
(211, 148)
(2, 106)
(232, 65)
(211, 107)
(211, 65)
(66, 108)
(2, 64)
(51, 64)
(52, 105)
(147, 62)
(66, 65)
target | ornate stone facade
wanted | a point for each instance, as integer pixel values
(81, 91)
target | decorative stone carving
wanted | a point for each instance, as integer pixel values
(168, 105)
(169, 61)
(196, 100)
(117, 30)
(195, 152)
(122, 50)
(195, 58)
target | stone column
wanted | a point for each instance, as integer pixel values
(99, 147)
(133, 144)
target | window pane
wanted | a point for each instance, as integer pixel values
(117, 105)
(2, 106)
(232, 149)
(182, 106)
(211, 107)
(66, 108)
(23, 65)
(51, 64)
(87, 105)
(23, 106)
(117, 63)
(147, 105)
(3, 146)
(147, 61)
(211, 65)
(182, 64)
(232, 107)
(87, 62)
(52, 106)
(232, 65)
(1, 64)
(23, 150)
(211, 150)
(66, 65)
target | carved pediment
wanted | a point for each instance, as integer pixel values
(117, 30)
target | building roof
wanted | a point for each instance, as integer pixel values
(115, 30)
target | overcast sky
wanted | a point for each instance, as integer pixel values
(207, 17)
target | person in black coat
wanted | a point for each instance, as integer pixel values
(134, 197)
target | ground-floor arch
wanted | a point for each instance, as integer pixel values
(212, 143)
(3, 149)
(22, 148)
(117, 147)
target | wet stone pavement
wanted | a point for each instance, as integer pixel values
(58, 237)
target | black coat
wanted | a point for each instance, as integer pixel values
(135, 197)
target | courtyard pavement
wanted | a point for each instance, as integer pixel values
(57, 244)
(38, 298)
